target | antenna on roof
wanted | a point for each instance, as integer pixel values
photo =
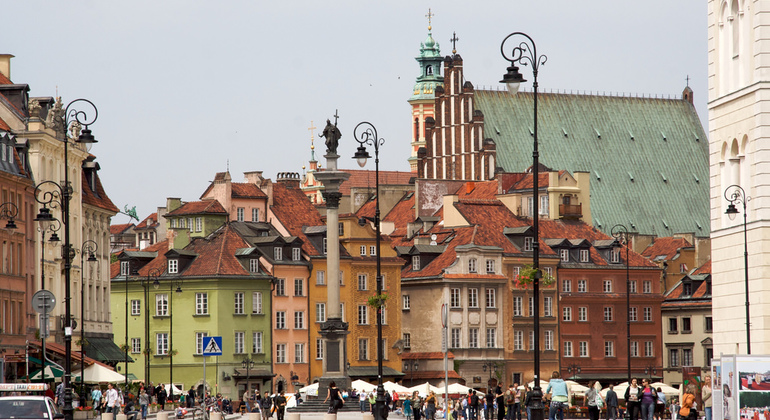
(228, 165)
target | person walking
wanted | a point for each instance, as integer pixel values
(612, 403)
(559, 396)
(527, 397)
(660, 405)
(144, 402)
(280, 404)
(96, 398)
(594, 401)
(512, 403)
(706, 397)
(489, 402)
(190, 397)
(500, 402)
(416, 405)
(407, 404)
(162, 395)
(111, 403)
(430, 406)
(633, 397)
(648, 399)
(362, 401)
(394, 400)
(334, 397)
(687, 412)
(473, 402)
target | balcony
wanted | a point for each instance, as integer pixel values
(570, 211)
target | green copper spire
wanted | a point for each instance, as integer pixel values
(430, 61)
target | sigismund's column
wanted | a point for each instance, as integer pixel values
(334, 331)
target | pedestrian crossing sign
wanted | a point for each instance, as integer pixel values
(212, 346)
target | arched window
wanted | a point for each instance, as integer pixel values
(735, 28)
(428, 70)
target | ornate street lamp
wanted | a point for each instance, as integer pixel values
(247, 364)
(574, 369)
(89, 247)
(60, 195)
(620, 233)
(525, 52)
(368, 135)
(737, 195)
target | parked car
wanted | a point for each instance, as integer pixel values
(29, 407)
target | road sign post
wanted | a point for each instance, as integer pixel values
(212, 346)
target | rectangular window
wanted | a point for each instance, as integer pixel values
(608, 314)
(325, 246)
(634, 349)
(173, 266)
(607, 286)
(238, 303)
(256, 302)
(255, 215)
(648, 349)
(415, 262)
(455, 337)
(548, 340)
(614, 256)
(566, 285)
(240, 345)
(543, 209)
(673, 357)
(407, 338)
(136, 307)
(583, 314)
(564, 255)
(632, 287)
(647, 286)
(566, 314)
(531, 340)
(673, 325)
(280, 287)
(582, 286)
(363, 282)
(518, 340)
(632, 314)
(473, 338)
(199, 336)
(299, 320)
(583, 349)
(299, 286)
(280, 320)
(363, 315)
(491, 301)
(609, 349)
(280, 353)
(239, 213)
(320, 277)
(491, 266)
(256, 342)
(198, 224)
(277, 253)
(530, 206)
(372, 250)
(161, 344)
(296, 254)
(584, 255)
(647, 314)
(299, 352)
(709, 326)
(517, 305)
(319, 348)
(362, 250)
(547, 306)
(363, 349)
(405, 304)
(201, 304)
(454, 299)
(686, 327)
(528, 241)
(125, 266)
(161, 304)
(190, 224)
(472, 265)
(686, 357)
(473, 298)
(136, 345)
(491, 338)
(253, 265)
(320, 312)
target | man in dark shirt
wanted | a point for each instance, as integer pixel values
(280, 405)
(490, 400)
(500, 397)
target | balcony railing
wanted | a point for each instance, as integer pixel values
(570, 211)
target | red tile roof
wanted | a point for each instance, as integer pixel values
(216, 254)
(199, 207)
(246, 190)
(4, 125)
(146, 223)
(400, 215)
(96, 198)
(293, 210)
(4, 80)
(668, 246)
(368, 209)
(118, 229)
(478, 191)
(362, 178)
(527, 181)
(704, 269)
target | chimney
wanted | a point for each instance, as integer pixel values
(290, 179)
(687, 95)
(5, 65)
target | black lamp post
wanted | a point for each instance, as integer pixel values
(411, 366)
(368, 136)
(90, 247)
(152, 275)
(574, 369)
(735, 194)
(525, 52)
(61, 195)
(620, 233)
(172, 291)
(650, 370)
(489, 366)
(9, 211)
(52, 226)
(247, 364)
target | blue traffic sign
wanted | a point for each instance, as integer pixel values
(212, 346)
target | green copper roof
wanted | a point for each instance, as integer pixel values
(430, 70)
(647, 158)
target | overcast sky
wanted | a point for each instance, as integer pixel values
(183, 87)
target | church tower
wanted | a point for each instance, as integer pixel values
(739, 86)
(423, 98)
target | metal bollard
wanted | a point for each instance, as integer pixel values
(106, 416)
(292, 416)
(215, 415)
(121, 417)
(162, 415)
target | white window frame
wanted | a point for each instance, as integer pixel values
(363, 281)
(320, 277)
(161, 344)
(257, 342)
(299, 286)
(280, 353)
(280, 320)
(634, 349)
(372, 251)
(136, 307)
(455, 298)
(583, 349)
(472, 265)
(198, 224)
(518, 303)
(201, 304)
(491, 337)
(277, 253)
(473, 297)
(173, 266)
(567, 349)
(518, 340)
(609, 348)
(582, 314)
(363, 349)
(566, 314)
(407, 339)
(363, 315)
(609, 316)
(491, 266)
(405, 303)
(362, 250)
(296, 254)
(415, 263)
(582, 286)
(564, 255)
(456, 336)
(473, 338)
(255, 214)
(585, 255)
(547, 306)
(614, 256)
(647, 313)
(607, 286)
(238, 303)
(254, 265)
(199, 337)
(256, 303)
(239, 338)
(280, 287)
(566, 285)
(633, 314)
(239, 214)
(528, 243)
(299, 320)
(319, 348)
(136, 345)
(548, 339)
(647, 286)
(491, 298)
(649, 349)
(320, 312)
(299, 352)
(161, 304)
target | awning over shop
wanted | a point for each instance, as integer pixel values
(105, 351)
(369, 373)
(254, 373)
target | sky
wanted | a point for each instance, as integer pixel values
(186, 88)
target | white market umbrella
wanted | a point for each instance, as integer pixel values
(619, 389)
(424, 389)
(668, 390)
(543, 384)
(360, 385)
(171, 388)
(53, 372)
(575, 388)
(311, 389)
(97, 373)
(458, 388)
(392, 386)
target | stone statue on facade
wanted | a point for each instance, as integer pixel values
(332, 135)
(55, 118)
